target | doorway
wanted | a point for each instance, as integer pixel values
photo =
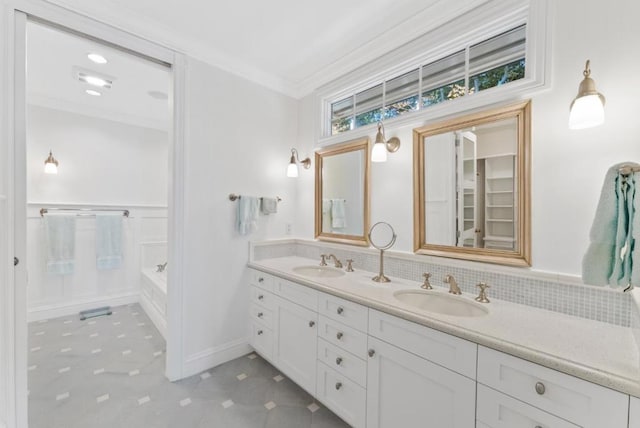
(18, 209)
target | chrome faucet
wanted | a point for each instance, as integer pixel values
(323, 259)
(453, 285)
(337, 263)
(162, 267)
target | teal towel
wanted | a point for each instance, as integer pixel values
(608, 258)
(108, 241)
(635, 232)
(60, 236)
(247, 214)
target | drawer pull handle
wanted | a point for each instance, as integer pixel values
(260, 314)
(312, 323)
(339, 335)
(260, 297)
(372, 352)
(338, 385)
(338, 361)
(540, 388)
(261, 279)
(538, 426)
(259, 332)
(340, 310)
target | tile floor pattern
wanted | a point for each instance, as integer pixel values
(109, 372)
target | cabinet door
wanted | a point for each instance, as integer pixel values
(404, 390)
(296, 343)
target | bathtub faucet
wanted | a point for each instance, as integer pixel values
(162, 267)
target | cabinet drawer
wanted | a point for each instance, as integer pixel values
(348, 313)
(344, 397)
(296, 293)
(262, 298)
(496, 410)
(448, 351)
(262, 340)
(347, 338)
(343, 362)
(261, 279)
(261, 315)
(578, 401)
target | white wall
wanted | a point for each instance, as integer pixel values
(101, 163)
(238, 140)
(568, 166)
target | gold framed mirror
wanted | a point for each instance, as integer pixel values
(472, 179)
(342, 192)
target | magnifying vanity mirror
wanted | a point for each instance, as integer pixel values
(472, 187)
(342, 192)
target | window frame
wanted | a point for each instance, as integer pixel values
(458, 35)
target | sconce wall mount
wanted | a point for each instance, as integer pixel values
(382, 146)
(292, 169)
(51, 164)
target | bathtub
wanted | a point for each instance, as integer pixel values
(153, 297)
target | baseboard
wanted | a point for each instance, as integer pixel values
(212, 357)
(72, 308)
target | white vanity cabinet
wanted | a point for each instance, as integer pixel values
(579, 402)
(376, 370)
(296, 343)
(407, 389)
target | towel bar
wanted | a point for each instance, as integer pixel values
(234, 197)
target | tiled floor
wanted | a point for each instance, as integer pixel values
(109, 372)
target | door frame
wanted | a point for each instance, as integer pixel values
(13, 296)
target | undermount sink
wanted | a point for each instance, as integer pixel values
(446, 304)
(318, 271)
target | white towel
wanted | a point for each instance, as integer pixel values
(60, 235)
(268, 205)
(247, 214)
(338, 214)
(108, 241)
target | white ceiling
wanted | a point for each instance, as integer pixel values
(293, 46)
(51, 57)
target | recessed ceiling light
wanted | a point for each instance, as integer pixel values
(93, 92)
(94, 80)
(158, 95)
(97, 58)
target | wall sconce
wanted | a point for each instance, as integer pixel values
(292, 169)
(51, 164)
(382, 146)
(587, 109)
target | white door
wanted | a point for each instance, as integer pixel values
(440, 190)
(467, 190)
(404, 390)
(296, 343)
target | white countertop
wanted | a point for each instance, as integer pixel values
(601, 353)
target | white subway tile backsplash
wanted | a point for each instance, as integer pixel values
(540, 290)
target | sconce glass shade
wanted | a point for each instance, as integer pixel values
(292, 170)
(379, 152)
(50, 164)
(587, 109)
